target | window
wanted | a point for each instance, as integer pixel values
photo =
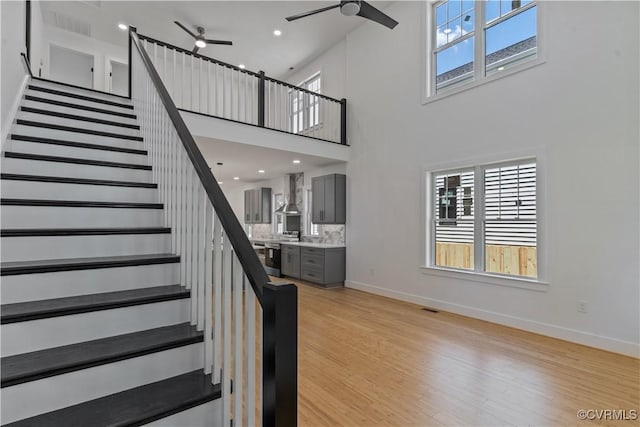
(310, 227)
(305, 107)
(471, 40)
(278, 223)
(484, 219)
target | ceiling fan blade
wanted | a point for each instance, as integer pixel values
(370, 12)
(218, 42)
(312, 12)
(195, 49)
(186, 29)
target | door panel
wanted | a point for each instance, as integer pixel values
(70, 66)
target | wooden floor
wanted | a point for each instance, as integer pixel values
(366, 360)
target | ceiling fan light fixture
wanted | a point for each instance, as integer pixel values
(201, 43)
(350, 8)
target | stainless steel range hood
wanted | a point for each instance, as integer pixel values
(291, 205)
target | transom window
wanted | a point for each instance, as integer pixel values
(304, 107)
(471, 40)
(484, 219)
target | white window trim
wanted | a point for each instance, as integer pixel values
(427, 94)
(540, 283)
(307, 130)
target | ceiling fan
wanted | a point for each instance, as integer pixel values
(200, 40)
(351, 8)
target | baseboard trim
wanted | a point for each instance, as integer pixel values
(573, 335)
(6, 127)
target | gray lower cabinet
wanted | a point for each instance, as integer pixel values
(325, 266)
(257, 206)
(329, 199)
(290, 260)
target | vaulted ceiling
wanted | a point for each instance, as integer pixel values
(249, 24)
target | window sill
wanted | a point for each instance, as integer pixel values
(492, 279)
(475, 83)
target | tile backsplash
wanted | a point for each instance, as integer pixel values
(328, 233)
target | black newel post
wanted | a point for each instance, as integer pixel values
(343, 121)
(131, 30)
(280, 355)
(261, 99)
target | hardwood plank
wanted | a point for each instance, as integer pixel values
(366, 360)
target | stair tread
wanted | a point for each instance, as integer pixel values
(135, 406)
(77, 117)
(78, 106)
(65, 128)
(68, 264)
(68, 94)
(32, 310)
(32, 232)
(40, 364)
(78, 203)
(76, 144)
(74, 160)
(70, 180)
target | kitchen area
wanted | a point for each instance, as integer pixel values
(296, 224)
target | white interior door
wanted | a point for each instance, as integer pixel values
(118, 78)
(71, 66)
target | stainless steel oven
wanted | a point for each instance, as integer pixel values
(272, 255)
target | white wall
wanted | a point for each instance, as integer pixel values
(103, 52)
(12, 71)
(331, 66)
(37, 38)
(580, 109)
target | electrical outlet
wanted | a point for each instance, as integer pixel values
(582, 306)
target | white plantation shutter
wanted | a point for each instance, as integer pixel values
(510, 204)
(454, 220)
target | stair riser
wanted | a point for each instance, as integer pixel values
(79, 111)
(63, 191)
(78, 152)
(75, 136)
(34, 335)
(44, 118)
(36, 397)
(79, 91)
(65, 217)
(34, 248)
(208, 414)
(31, 287)
(72, 170)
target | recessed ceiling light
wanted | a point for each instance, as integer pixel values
(500, 68)
(219, 182)
(201, 43)
(123, 27)
(296, 161)
(235, 178)
(261, 171)
(277, 32)
(241, 66)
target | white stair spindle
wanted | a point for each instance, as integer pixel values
(193, 252)
(226, 334)
(208, 283)
(250, 356)
(217, 299)
(238, 277)
(202, 247)
(188, 232)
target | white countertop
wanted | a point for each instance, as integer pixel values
(313, 245)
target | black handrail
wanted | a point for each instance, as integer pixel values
(233, 230)
(279, 301)
(27, 64)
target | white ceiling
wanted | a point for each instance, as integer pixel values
(244, 161)
(249, 24)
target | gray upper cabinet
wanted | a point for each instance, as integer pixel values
(329, 199)
(257, 206)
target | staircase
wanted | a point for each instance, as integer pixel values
(96, 324)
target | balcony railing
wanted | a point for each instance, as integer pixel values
(204, 85)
